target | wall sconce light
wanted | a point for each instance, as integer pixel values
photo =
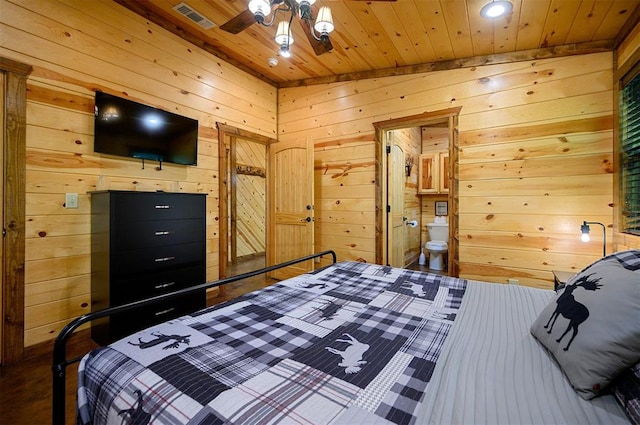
(585, 234)
(408, 165)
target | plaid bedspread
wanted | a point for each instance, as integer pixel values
(351, 343)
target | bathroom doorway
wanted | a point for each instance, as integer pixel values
(398, 167)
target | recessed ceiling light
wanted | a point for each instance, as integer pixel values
(496, 9)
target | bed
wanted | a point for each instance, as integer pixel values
(358, 343)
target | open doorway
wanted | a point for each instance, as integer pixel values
(399, 204)
(243, 161)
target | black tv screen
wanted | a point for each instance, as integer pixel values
(127, 128)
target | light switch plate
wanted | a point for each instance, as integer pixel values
(71, 200)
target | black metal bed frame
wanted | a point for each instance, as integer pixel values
(60, 361)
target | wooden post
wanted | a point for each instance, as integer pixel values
(13, 227)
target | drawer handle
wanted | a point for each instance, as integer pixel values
(163, 312)
(162, 233)
(162, 207)
(163, 259)
(164, 285)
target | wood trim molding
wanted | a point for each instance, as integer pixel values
(620, 72)
(418, 119)
(628, 27)
(524, 55)
(448, 116)
(15, 105)
(11, 66)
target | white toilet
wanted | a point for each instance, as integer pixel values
(437, 245)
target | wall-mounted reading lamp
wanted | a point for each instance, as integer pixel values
(585, 234)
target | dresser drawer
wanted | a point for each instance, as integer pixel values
(156, 258)
(127, 323)
(144, 206)
(144, 234)
(149, 285)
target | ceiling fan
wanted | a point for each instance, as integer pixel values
(258, 10)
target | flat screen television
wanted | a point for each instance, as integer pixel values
(127, 128)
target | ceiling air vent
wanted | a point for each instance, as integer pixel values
(194, 16)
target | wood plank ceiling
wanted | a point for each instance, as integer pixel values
(378, 38)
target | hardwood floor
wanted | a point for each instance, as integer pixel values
(416, 266)
(25, 388)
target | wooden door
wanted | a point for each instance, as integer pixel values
(290, 203)
(427, 173)
(443, 173)
(396, 203)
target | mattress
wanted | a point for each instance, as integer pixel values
(493, 371)
(352, 343)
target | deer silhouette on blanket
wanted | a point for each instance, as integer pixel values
(136, 414)
(352, 355)
(416, 288)
(569, 308)
(161, 339)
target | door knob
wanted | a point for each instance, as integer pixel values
(308, 219)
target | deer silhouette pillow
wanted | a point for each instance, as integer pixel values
(592, 326)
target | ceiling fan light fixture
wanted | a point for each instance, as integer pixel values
(496, 9)
(316, 30)
(284, 38)
(283, 34)
(260, 9)
(284, 51)
(324, 22)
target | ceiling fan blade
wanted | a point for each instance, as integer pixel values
(319, 47)
(240, 23)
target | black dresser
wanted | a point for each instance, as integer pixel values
(144, 244)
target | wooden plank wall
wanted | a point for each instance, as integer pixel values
(251, 203)
(344, 193)
(535, 157)
(75, 48)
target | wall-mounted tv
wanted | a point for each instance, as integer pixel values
(127, 128)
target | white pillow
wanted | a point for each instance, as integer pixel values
(592, 326)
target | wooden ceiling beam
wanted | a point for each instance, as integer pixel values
(524, 55)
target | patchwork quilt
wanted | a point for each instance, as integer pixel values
(350, 343)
